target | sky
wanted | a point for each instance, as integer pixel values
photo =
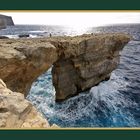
(86, 19)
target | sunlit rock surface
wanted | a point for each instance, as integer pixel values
(85, 61)
(79, 62)
(17, 112)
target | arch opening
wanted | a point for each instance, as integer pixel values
(42, 90)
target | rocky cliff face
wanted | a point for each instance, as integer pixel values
(5, 21)
(78, 62)
(85, 61)
(16, 112)
(2, 24)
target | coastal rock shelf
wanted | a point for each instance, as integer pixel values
(79, 62)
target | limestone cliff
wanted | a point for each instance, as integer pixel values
(79, 62)
(5, 21)
(17, 112)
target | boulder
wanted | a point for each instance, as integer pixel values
(4, 37)
(23, 35)
(23, 60)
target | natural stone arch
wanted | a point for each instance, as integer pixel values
(79, 62)
(22, 61)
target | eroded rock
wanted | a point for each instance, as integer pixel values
(23, 35)
(79, 62)
(85, 61)
(17, 112)
(22, 61)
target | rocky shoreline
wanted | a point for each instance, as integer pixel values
(79, 63)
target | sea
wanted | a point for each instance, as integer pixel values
(112, 103)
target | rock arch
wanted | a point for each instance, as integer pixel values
(80, 62)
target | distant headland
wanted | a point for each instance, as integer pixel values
(5, 21)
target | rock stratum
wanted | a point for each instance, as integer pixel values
(79, 62)
(5, 21)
